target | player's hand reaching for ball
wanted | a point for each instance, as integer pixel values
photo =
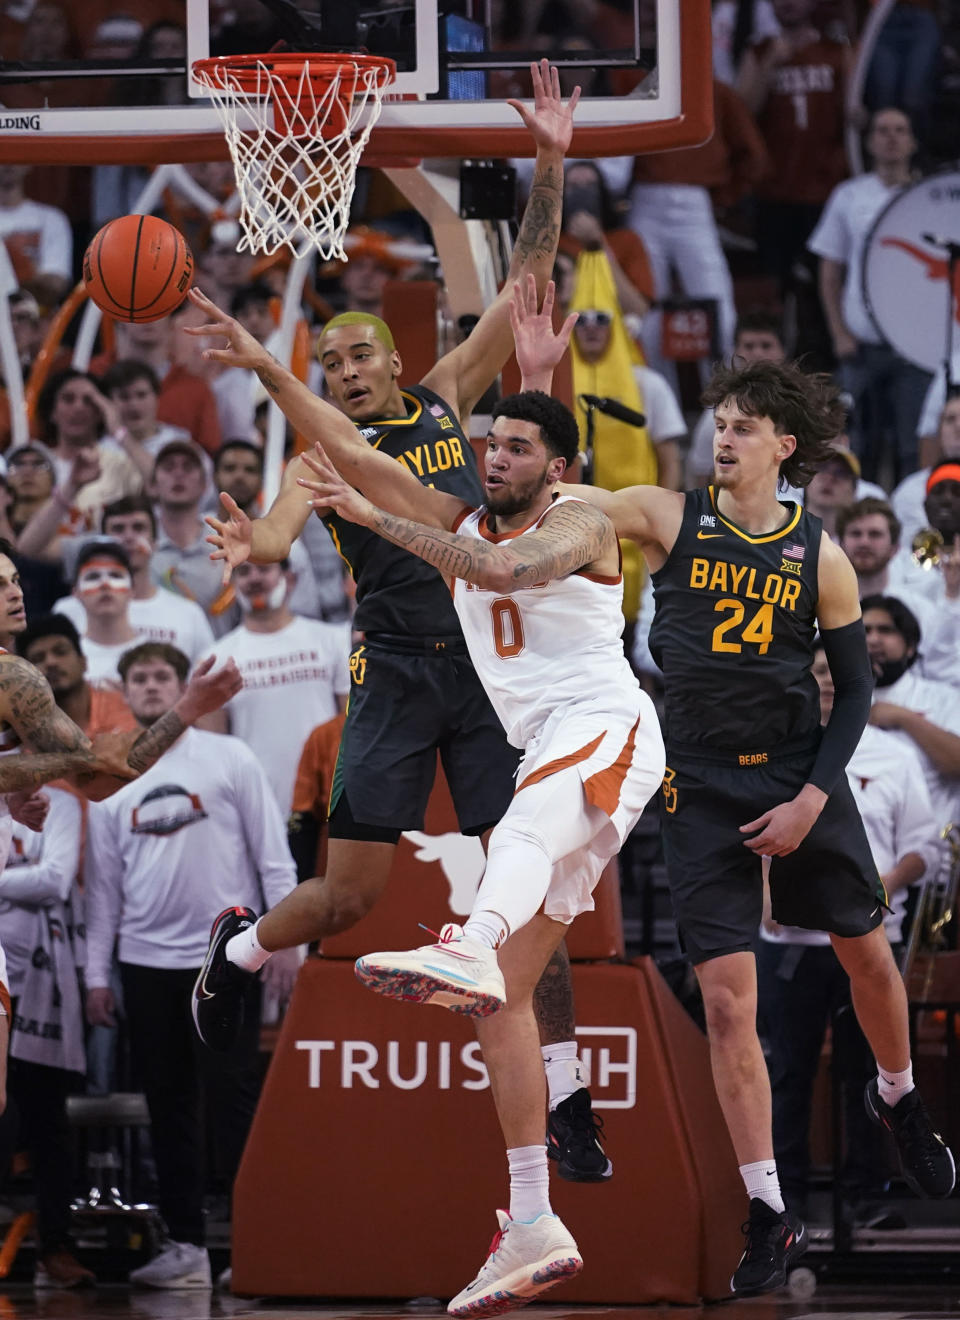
(330, 491)
(783, 828)
(240, 350)
(232, 537)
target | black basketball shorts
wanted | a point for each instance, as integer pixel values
(405, 707)
(830, 882)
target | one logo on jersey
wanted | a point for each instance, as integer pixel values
(165, 810)
(707, 520)
(708, 536)
(368, 432)
(793, 551)
(790, 566)
(358, 666)
(669, 792)
(461, 858)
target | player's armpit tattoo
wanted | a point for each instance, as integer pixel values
(156, 740)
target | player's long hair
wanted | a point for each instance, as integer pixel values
(799, 403)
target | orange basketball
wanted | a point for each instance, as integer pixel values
(138, 268)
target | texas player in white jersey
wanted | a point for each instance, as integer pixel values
(537, 586)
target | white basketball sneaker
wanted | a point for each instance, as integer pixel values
(177, 1265)
(456, 973)
(524, 1261)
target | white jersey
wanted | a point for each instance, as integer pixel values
(552, 645)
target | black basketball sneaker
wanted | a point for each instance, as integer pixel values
(573, 1140)
(220, 989)
(774, 1241)
(925, 1159)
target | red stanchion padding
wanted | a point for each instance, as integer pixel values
(434, 880)
(410, 309)
(375, 1164)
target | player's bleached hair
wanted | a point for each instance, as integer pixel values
(798, 403)
(558, 426)
(381, 330)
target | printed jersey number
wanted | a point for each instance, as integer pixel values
(759, 629)
(507, 627)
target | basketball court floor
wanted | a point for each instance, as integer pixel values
(830, 1302)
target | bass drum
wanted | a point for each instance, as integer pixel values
(905, 276)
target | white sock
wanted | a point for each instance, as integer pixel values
(893, 1086)
(565, 1072)
(246, 951)
(529, 1183)
(487, 928)
(762, 1182)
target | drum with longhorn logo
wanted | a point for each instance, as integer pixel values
(906, 269)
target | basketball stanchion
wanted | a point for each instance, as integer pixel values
(296, 126)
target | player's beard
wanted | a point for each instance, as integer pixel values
(516, 500)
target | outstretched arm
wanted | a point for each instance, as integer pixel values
(539, 347)
(60, 749)
(572, 537)
(464, 374)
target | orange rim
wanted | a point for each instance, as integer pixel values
(221, 72)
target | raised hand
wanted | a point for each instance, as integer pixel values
(241, 349)
(107, 409)
(330, 491)
(539, 347)
(208, 690)
(84, 469)
(550, 122)
(232, 537)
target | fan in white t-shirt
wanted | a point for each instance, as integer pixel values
(103, 586)
(155, 615)
(295, 673)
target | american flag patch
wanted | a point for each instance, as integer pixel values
(437, 410)
(794, 551)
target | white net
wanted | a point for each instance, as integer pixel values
(296, 129)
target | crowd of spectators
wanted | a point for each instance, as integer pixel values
(105, 504)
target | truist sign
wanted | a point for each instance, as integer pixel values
(610, 1054)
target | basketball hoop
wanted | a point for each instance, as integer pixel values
(296, 126)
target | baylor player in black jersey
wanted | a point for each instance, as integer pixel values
(743, 582)
(414, 691)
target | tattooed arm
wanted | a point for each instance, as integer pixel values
(464, 374)
(58, 748)
(573, 535)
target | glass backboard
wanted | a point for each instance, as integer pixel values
(120, 90)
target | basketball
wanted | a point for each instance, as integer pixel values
(138, 268)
